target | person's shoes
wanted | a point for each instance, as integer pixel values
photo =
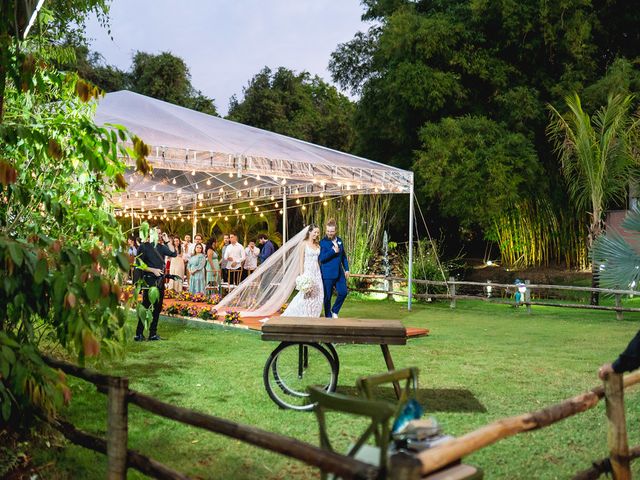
(334, 315)
(153, 338)
(139, 338)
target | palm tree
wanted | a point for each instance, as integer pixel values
(596, 158)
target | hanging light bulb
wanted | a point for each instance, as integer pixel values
(280, 212)
(298, 201)
(236, 211)
(243, 217)
(321, 195)
(251, 203)
(210, 219)
(179, 191)
(226, 219)
(221, 199)
(257, 209)
(209, 182)
(258, 177)
(219, 215)
(246, 182)
(297, 190)
(211, 209)
(179, 201)
(348, 197)
(230, 207)
(324, 203)
(153, 188)
(136, 194)
(230, 174)
(261, 214)
(276, 205)
(272, 198)
(175, 218)
(197, 186)
(173, 181)
(181, 207)
(200, 204)
(165, 211)
(303, 207)
(255, 189)
(193, 172)
(221, 190)
(284, 181)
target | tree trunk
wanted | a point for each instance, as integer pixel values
(595, 230)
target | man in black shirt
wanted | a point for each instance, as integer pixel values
(152, 276)
(627, 361)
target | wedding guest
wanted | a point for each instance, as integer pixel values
(196, 269)
(133, 246)
(212, 267)
(251, 259)
(177, 266)
(235, 256)
(186, 246)
(152, 257)
(266, 247)
(196, 240)
(223, 258)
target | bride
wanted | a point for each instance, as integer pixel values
(267, 289)
(308, 303)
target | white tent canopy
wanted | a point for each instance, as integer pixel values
(203, 164)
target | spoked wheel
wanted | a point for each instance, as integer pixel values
(294, 367)
(332, 350)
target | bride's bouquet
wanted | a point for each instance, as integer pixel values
(304, 283)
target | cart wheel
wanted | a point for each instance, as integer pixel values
(294, 367)
(332, 350)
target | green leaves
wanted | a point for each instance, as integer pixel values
(154, 295)
(123, 261)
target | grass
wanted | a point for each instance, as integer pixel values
(480, 363)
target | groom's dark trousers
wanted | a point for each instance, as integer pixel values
(332, 267)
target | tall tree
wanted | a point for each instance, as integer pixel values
(596, 157)
(166, 77)
(297, 105)
(424, 61)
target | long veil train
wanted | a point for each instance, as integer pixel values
(264, 291)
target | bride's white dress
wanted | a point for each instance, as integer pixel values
(308, 304)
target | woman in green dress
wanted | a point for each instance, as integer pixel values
(196, 269)
(212, 267)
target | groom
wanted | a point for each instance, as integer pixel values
(334, 268)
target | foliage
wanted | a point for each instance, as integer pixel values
(423, 62)
(532, 233)
(296, 105)
(618, 256)
(427, 265)
(232, 317)
(59, 259)
(597, 157)
(359, 222)
(474, 168)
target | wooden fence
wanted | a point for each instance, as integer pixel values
(453, 292)
(120, 457)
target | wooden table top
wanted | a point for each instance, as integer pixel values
(335, 330)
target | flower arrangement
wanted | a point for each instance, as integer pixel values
(214, 299)
(173, 309)
(198, 298)
(208, 313)
(232, 317)
(304, 283)
(283, 307)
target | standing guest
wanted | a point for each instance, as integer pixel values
(196, 240)
(152, 256)
(235, 256)
(627, 361)
(266, 247)
(133, 246)
(223, 259)
(251, 259)
(212, 267)
(187, 247)
(196, 269)
(177, 266)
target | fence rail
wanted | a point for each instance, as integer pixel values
(453, 293)
(120, 457)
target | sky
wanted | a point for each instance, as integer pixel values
(226, 42)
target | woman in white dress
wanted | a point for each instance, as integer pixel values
(310, 302)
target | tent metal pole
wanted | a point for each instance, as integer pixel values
(284, 216)
(195, 226)
(410, 293)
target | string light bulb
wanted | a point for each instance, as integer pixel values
(251, 203)
(226, 218)
(246, 182)
(257, 209)
(298, 201)
(209, 181)
(261, 214)
(173, 181)
(193, 172)
(243, 217)
(272, 198)
(324, 203)
(276, 205)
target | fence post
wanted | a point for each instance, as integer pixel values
(618, 305)
(617, 427)
(117, 428)
(452, 291)
(527, 296)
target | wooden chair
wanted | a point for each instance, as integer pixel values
(367, 385)
(379, 412)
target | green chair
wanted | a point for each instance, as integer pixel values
(367, 385)
(379, 412)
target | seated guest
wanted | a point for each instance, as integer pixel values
(266, 247)
(235, 256)
(251, 259)
(196, 269)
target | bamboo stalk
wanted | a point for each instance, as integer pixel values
(455, 449)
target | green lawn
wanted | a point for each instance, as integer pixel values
(480, 363)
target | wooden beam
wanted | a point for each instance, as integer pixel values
(343, 466)
(457, 448)
(117, 428)
(617, 427)
(602, 466)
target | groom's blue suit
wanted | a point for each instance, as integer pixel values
(332, 267)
